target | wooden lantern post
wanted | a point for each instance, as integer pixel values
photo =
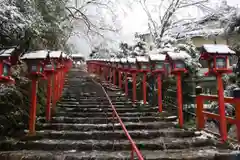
(116, 63)
(158, 69)
(98, 66)
(177, 68)
(120, 72)
(217, 57)
(104, 66)
(133, 70)
(144, 68)
(113, 70)
(125, 71)
(49, 71)
(101, 64)
(58, 80)
(35, 65)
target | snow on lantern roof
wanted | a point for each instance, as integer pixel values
(217, 49)
(165, 50)
(112, 59)
(157, 57)
(131, 60)
(6, 52)
(182, 55)
(117, 60)
(77, 55)
(41, 54)
(142, 58)
(55, 54)
(123, 60)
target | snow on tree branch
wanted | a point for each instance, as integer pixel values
(166, 12)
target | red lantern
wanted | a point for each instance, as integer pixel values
(35, 61)
(176, 61)
(158, 69)
(5, 66)
(143, 63)
(217, 56)
(157, 62)
(144, 67)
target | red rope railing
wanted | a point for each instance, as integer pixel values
(134, 147)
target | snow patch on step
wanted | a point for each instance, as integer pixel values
(71, 151)
(204, 135)
(171, 117)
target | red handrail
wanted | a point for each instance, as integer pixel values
(134, 147)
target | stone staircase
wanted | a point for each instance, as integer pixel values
(83, 129)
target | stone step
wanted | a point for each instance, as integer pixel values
(94, 102)
(104, 127)
(205, 153)
(68, 97)
(94, 99)
(102, 120)
(104, 108)
(110, 135)
(107, 114)
(106, 145)
(102, 104)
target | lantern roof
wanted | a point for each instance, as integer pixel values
(123, 60)
(112, 59)
(182, 55)
(217, 49)
(142, 59)
(77, 56)
(6, 52)
(117, 60)
(41, 54)
(55, 54)
(131, 60)
(157, 57)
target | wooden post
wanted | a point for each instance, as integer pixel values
(144, 88)
(33, 108)
(120, 79)
(179, 99)
(238, 119)
(126, 84)
(134, 88)
(114, 76)
(55, 92)
(49, 95)
(200, 116)
(159, 92)
(223, 123)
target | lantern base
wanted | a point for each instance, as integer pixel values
(176, 70)
(157, 71)
(7, 80)
(144, 70)
(49, 72)
(217, 71)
